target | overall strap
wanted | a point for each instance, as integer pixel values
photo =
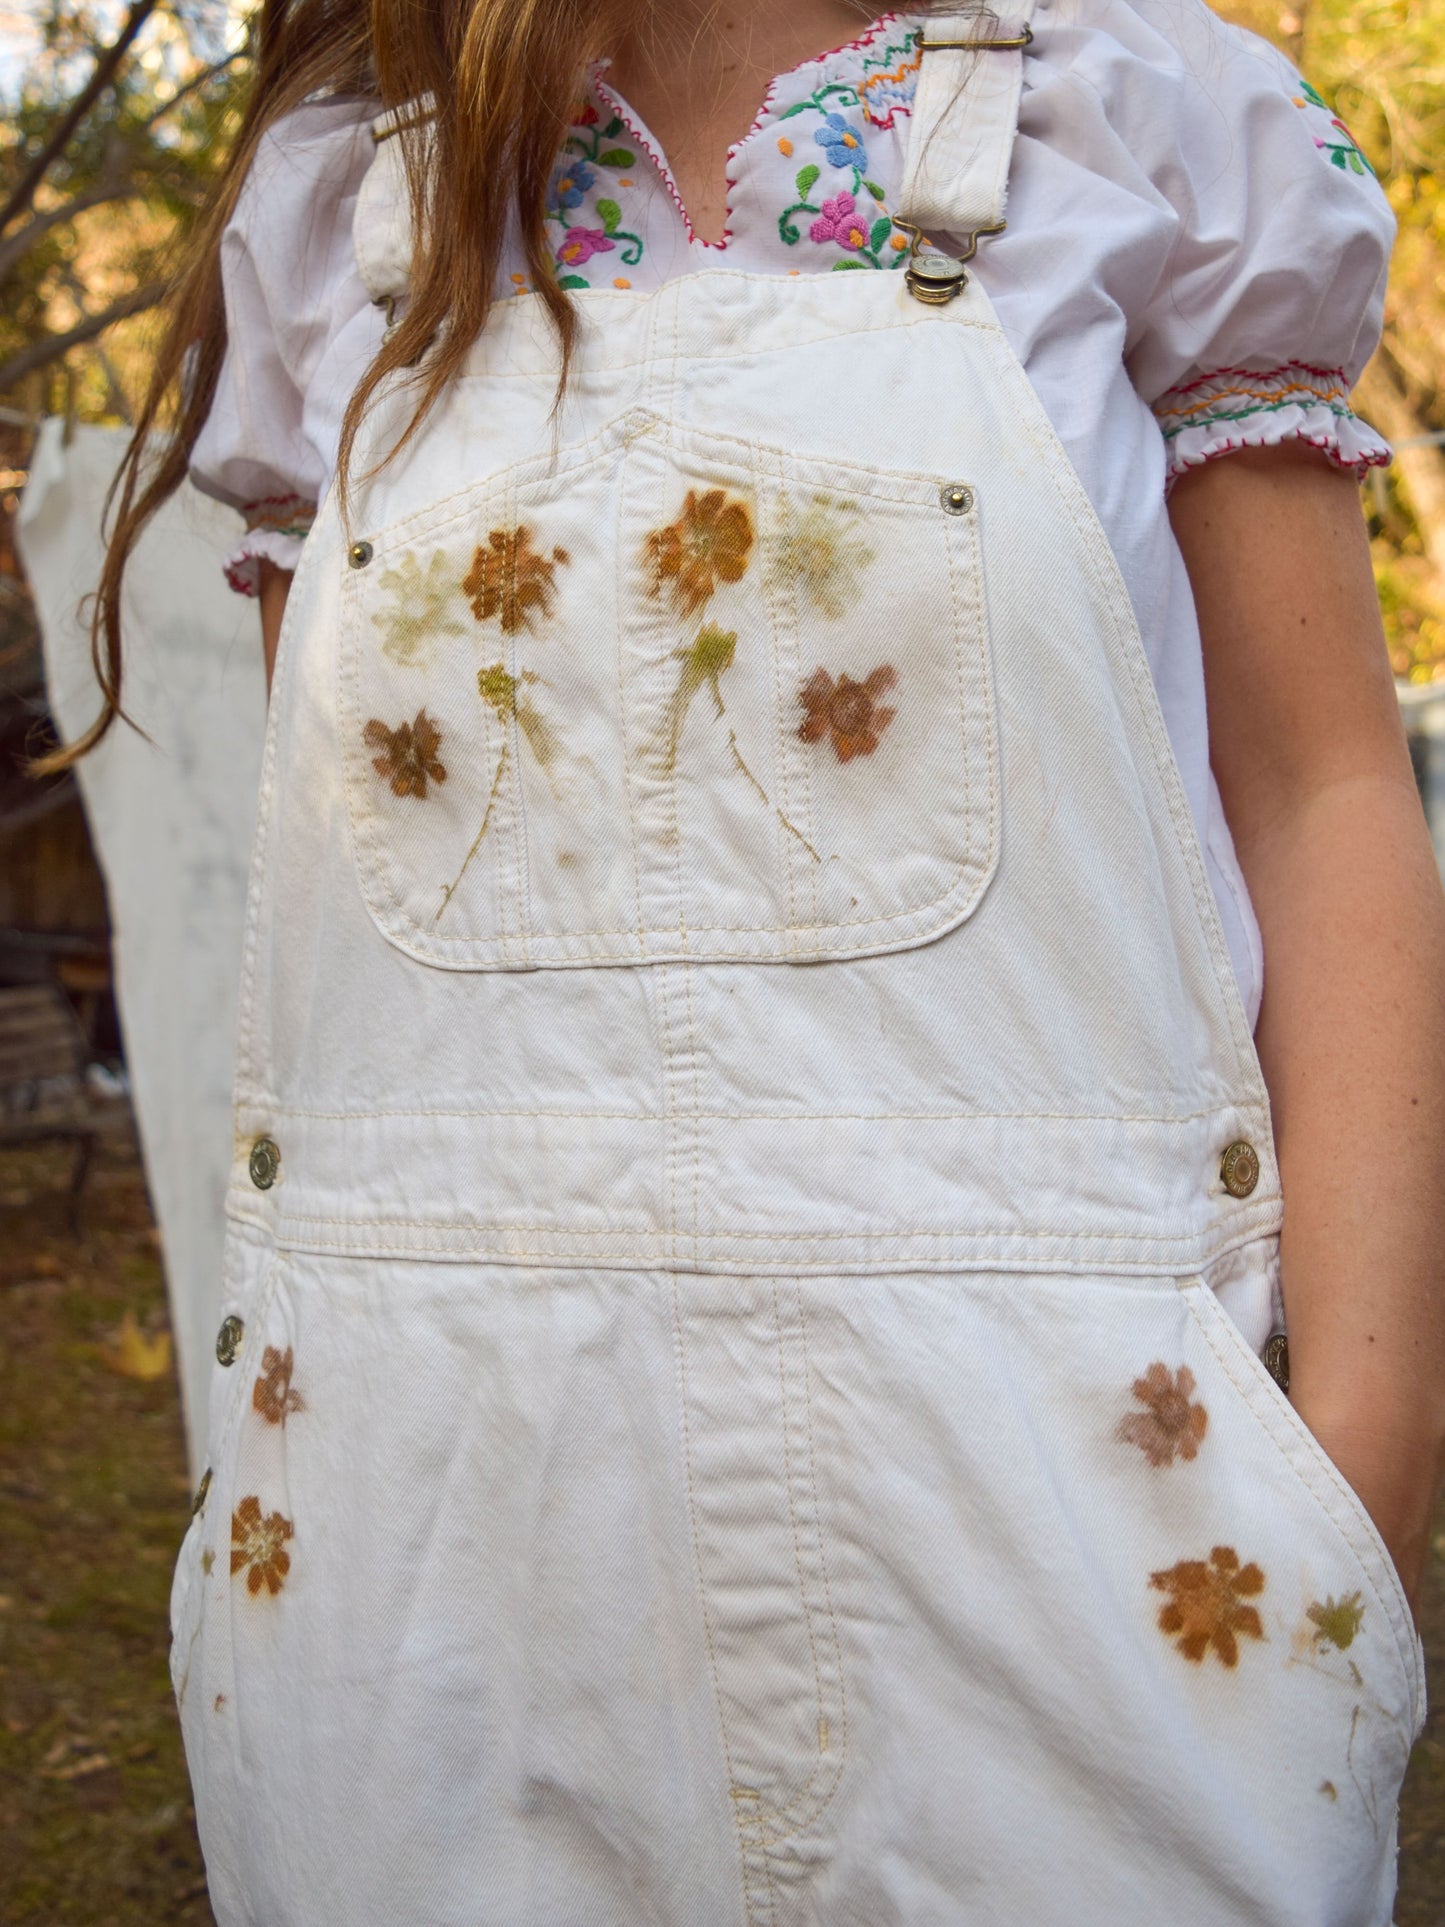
(381, 226)
(965, 118)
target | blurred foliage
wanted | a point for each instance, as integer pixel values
(1381, 63)
(89, 243)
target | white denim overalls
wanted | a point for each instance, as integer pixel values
(746, 1133)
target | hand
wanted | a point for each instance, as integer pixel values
(1393, 1474)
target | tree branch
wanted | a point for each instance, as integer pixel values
(16, 246)
(50, 348)
(196, 80)
(105, 71)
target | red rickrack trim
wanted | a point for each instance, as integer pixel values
(1256, 374)
(879, 29)
(243, 575)
(1328, 446)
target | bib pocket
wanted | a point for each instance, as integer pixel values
(672, 695)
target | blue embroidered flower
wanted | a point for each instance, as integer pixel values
(841, 143)
(572, 184)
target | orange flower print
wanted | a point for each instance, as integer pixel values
(407, 755)
(709, 543)
(847, 711)
(273, 1397)
(1205, 1606)
(1170, 1426)
(513, 581)
(258, 1546)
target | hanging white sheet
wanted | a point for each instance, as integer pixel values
(171, 820)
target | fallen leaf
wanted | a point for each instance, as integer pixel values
(80, 1769)
(135, 1355)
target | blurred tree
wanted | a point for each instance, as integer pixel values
(114, 124)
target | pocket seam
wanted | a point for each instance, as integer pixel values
(966, 877)
(1324, 1483)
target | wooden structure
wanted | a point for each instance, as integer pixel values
(43, 1093)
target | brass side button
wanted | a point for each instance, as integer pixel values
(359, 554)
(201, 1490)
(1239, 1168)
(1276, 1360)
(934, 277)
(228, 1340)
(956, 497)
(265, 1163)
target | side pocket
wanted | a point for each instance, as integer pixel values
(250, 1282)
(1326, 1486)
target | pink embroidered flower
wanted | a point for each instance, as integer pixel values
(841, 221)
(579, 244)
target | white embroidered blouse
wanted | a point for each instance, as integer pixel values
(1194, 263)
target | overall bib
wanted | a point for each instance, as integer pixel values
(754, 1210)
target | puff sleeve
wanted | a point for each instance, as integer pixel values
(293, 300)
(1271, 298)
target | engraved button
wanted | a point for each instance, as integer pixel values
(265, 1163)
(934, 277)
(1239, 1169)
(1276, 1360)
(201, 1490)
(228, 1339)
(359, 554)
(956, 497)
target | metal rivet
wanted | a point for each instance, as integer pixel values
(265, 1163)
(1276, 1360)
(956, 497)
(359, 554)
(228, 1340)
(201, 1490)
(1239, 1168)
(933, 277)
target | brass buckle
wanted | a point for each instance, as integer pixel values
(937, 278)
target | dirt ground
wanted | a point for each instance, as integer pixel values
(95, 1812)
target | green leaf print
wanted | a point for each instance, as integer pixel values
(610, 214)
(617, 157)
(882, 228)
(612, 129)
(570, 281)
(806, 178)
(875, 190)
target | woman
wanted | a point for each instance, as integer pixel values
(757, 1209)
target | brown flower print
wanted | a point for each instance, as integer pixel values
(1336, 1621)
(1170, 1427)
(709, 543)
(273, 1397)
(1205, 1607)
(258, 1546)
(847, 711)
(407, 754)
(512, 580)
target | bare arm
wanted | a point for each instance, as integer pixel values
(1311, 761)
(275, 587)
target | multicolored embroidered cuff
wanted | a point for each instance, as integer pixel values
(1233, 408)
(276, 526)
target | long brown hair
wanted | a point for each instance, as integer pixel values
(503, 78)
